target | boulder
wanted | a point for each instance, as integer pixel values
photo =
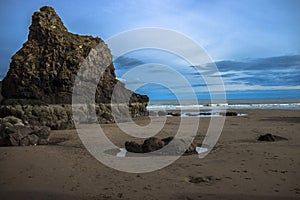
(172, 146)
(12, 139)
(42, 132)
(205, 113)
(179, 146)
(21, 130)
(29, 140)
(134, 147)
(229, 113)
(152, 144)
(167, 140)
(200, 179)
(270, 138)
(175, 114)
(13, 132)
(11, 119)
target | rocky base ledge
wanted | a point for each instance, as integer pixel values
(16, 132)
(59, 116)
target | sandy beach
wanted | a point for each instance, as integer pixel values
(239, 167)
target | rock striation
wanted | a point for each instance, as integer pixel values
(39, 83)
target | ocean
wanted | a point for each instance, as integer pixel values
(290, 104)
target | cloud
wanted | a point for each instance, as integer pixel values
(124, 62)
(279, 62)
(274, 71)
(240, 77)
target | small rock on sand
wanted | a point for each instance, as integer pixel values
(270, 138)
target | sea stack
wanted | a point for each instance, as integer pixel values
(38, 86)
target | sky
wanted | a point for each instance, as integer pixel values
(245, 38)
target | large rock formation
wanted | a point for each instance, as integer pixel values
(43, 71)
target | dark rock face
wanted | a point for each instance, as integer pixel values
(43, 71)
(153, 144)
(45, 67)
(167, 140)
(200, 179)
(133, 147)
(270, 138)
(14, 132)
(1, 97)
(174, 114)
(231, 113)
(205, 113)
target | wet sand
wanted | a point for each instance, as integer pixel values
(239, 167)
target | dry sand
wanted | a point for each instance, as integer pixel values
(239, 167)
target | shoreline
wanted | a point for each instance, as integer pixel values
(206, 104)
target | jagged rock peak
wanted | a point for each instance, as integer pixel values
(44, 69)
(39, 84)
(44, 21)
